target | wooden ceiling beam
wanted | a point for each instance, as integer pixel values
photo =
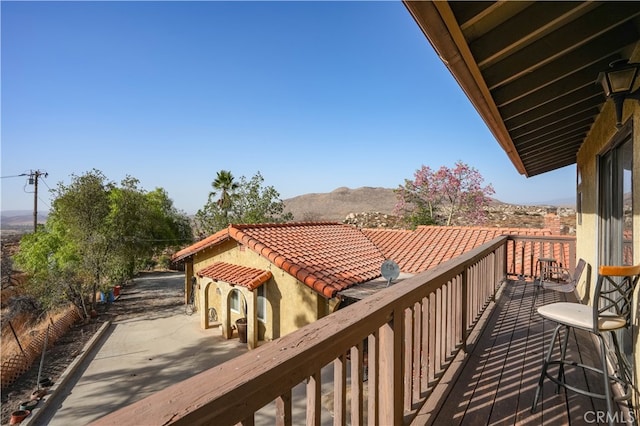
(557, 133)
(581, 99)
(577, 80)
(568, 64)
(557, 121)
(523, 29)
(561, 41)
(555, 141)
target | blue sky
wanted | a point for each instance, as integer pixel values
(313, 95)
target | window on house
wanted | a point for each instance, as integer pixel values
(262, 303)
(579, 195)
(234, 301)
(615, 201)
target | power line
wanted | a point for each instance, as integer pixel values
(13, 176)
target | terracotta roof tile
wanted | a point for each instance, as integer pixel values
(244, 276)
(211, 240)
(327, 257)
(330, 257)
(428, 246)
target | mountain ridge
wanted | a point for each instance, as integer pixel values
(332, 206)
(343, 201)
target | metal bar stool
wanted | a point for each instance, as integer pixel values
(543, 272)
(612, 309)
(559, 279)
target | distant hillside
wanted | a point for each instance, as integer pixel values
(336, 205)
(20, 219)
(360, 207)
(333, 206)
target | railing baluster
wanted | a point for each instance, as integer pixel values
(464, 307)
(433, 347)
(340, 390)
(424, 347)
(372, 380)
(417, 352)
(356, 384)
(249, 421)
(391, 399)
(457, 323)
(283, 410)
(314, 395)
(446, 324)
(407, 349)
(438, 333)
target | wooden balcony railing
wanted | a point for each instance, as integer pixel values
(403, 339)
(523, 253)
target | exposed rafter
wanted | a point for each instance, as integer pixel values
(530, 68)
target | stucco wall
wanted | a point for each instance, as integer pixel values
(603, 131)
(291, 304)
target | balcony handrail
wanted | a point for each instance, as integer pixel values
(232, 392)
(528, 248)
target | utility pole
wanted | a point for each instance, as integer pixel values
(33, 180)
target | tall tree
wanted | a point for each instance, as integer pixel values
(252, 202)
(225, 184)
(97, 235)
(257, 203)
(448, 196)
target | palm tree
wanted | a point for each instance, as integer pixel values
(224, 183)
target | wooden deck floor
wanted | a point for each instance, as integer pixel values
(498, 382)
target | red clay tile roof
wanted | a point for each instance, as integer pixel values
(211, 240)
(327, 257)
(428, 246)
(330, 257)
(244, 276)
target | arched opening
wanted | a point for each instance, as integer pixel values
(211, 305)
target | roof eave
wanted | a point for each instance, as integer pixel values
(437, 22)
(212, 240)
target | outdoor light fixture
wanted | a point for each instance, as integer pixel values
(617, 82)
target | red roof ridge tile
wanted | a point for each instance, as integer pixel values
(280, 224)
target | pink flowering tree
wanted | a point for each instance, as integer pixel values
(444, 197)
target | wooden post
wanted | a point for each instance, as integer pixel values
(372, 379)
(339, 390)
(283, 410)
(465, 308)
(391, 389)
(314, 394)
(356, 384)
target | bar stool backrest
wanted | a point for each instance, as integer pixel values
(616, 298)
(578, 271)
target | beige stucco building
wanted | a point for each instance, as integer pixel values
(281, 277)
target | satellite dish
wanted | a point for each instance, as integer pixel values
(390, 270)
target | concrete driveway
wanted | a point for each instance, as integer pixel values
(139, 355)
